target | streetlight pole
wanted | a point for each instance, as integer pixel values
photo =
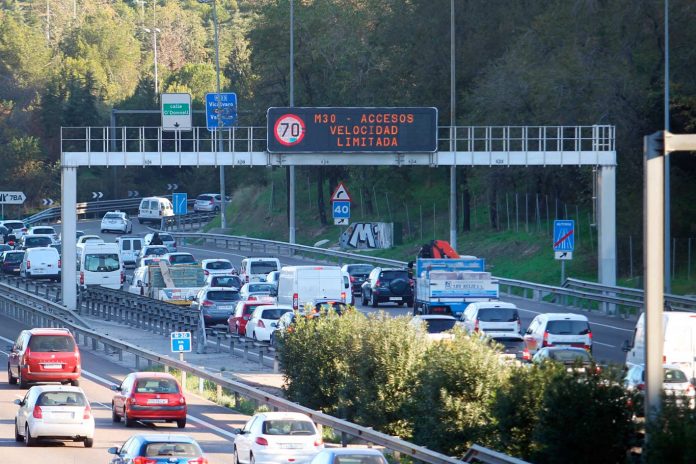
(223, 220)
(291, 169)
(453, 134)
(154, 32)
(668, 232)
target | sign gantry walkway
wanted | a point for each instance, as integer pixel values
(248, 146)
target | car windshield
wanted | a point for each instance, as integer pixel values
(287, 427)
(218, 265)
(113, 216)
(14, 225)
(156, 385)
(273, 314)
(226, 281)
(510, 344)
(566, 327)
(223, 295)
(204, 198)
(359, 270)
(102, 262)
(166, 238)
(498, 315)
(439, 325)
(260, 288)
(182, 259)
(43, 230)
(61, 398)
(51, 343)
(14, 257)
(674, 376)
(37, 241)
(392, 275)
(262, 267)
(570, 355)
(358, 459)
(186, 450)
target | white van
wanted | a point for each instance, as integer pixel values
(41, 263)
(99, 264)
(679, 342)
(256, 269)
(298, 285)
(129, 248)
(491, 316)
(153, 209)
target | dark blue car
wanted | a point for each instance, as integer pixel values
(10, 261)
(159, 448)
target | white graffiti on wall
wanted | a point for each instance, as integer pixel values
(368, 235)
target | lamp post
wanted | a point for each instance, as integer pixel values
(154, 32)
(453, 134)
(218, 141)
(291, 169)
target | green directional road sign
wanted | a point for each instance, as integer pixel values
(176, 112)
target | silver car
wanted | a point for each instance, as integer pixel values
(216, 303)
(208, 202)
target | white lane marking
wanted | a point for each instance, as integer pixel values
(603, 344)
(593, 323)
(109, 383)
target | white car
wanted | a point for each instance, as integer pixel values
(58, 412)
(257, 291)
(89, 238)
(217, 267)
(167, 240)
(436, 325)
(180, 257)
(277, 438)
(264, 320)
(44, 230)
(675, 382)
(116, 221)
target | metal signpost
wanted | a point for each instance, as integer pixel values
(11, 198)
(563, 242)
(176, 112)
(180, 343)
(340, 205)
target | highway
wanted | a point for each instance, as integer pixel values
(208, 423)
(609, 333)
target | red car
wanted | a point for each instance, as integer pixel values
(44, 355)
(242, 313)
(149, 396)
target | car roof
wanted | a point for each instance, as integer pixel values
(284, 415)
(153, 374)
(499, 335)
(493, 304)
(178, 253)
(426, 317)
(54, 388)
(564, 348)
(210, 260)
(565, 316)
(220, 289)
(161, 437)
(276, 306)
(258, 303)
(349, 451)
(49, 331)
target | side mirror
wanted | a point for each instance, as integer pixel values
(193, 298)
(139, 283)
(112, 450)
(238, 431)
(115, 388)
(626, 347)
(274, 325)
(274, 292)
(18, 402)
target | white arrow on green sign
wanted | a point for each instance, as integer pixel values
(176, 112)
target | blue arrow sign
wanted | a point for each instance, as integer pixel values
(181, 342)
(227, 109)
(564, 235)
(341, 209)
(180, 203)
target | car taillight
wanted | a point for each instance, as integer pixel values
(198, 461)
(411, 282)
(526, 355)
(143, 460)
(182, 399)
(252, 298)
(378, 283)
(59, 264)
(295, 301)
(352, 279)
(690, 391)
(28, 264)
(207, 303)
(131, 400)
(519, 326)
(545, 342)
(212, 202)
(343, 297)
(318, 442)
(38, 413)
(123, 277)
(88, 412)
(261, 324)
(261, 441)
(174, 244)
(206, 272)
(82, 278)
(640, 386)
(476, 326)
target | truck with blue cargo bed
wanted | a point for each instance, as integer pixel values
(447, 286)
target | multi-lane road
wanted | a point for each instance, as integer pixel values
(609, 333)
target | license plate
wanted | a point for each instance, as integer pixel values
(291, 445)
(395, 298)
(52, 366)
(225, 307)
(157, 401)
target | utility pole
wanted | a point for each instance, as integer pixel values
(453, 134)
(291, 169)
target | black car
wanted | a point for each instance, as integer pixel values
(513, 346)
(387, 285)
(358, 273)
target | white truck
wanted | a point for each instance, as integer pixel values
(173, 284)
(679, 329)
(299, 285)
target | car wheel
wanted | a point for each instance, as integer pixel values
(217, 209)
(75, 383)
(89, 442)
(115, 418)
(253, 336)
(129, 422)
(181, 423)
(140, 221)
(20, 380)
(271, 340)
(28, 439)
(18, 437)
(373, 301)
(10, 379)
(363, 298)
(401, 303)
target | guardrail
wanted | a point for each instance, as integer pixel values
(31, 310)
(612, 301)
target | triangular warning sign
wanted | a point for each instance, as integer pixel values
(341, 194)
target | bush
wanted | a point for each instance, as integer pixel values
(671, 435)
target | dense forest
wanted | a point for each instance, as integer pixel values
(551, 62)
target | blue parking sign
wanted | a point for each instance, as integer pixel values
(564, 235)
(181, 342)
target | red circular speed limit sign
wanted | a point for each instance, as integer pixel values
(289, 130)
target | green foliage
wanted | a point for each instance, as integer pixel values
(672, 435)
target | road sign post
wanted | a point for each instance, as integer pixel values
(563, 242)
(176, 112)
